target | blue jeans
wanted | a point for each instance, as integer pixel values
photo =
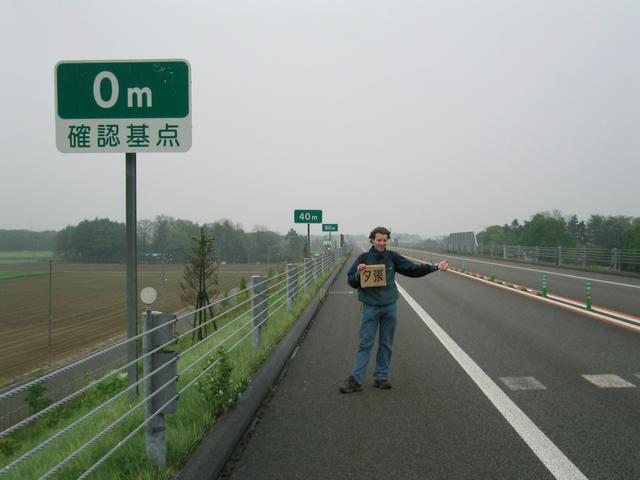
(382, 318)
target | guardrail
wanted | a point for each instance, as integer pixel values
(613, 259)
(56, 453)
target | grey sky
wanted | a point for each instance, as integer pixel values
(427, 117)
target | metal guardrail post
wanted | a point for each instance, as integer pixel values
(559, 255)
(259, 308)
(155, 438)
(504, 252)
(292, 280)
(316, 266)
(307, 274)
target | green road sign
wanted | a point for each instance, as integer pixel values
(307, 216)
(329, 227)
(123, 106)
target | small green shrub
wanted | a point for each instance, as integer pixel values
(36, 398)
(215, 385)
(9, 445)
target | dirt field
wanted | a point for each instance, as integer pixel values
(88, 307)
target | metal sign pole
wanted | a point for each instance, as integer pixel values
(50, 310)
(132, 274)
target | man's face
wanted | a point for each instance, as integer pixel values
(380, 242)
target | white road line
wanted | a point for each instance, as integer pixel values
(522, 383)
(550, 455)
(608, 381)
(535, 270)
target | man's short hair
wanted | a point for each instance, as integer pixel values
(381, 230)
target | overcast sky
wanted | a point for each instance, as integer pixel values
(426, 117)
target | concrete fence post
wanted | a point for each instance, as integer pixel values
(259, 307)
(316, 266)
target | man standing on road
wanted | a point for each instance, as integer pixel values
(379, 306)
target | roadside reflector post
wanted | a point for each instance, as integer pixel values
(463, 270)
(258, 307)
(544, 285)
(493, 276)
(588, 291)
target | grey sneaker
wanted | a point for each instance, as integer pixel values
(350, 385)
(382, 384)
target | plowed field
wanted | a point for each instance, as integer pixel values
(88, 309)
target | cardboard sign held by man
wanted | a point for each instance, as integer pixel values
(373, 276)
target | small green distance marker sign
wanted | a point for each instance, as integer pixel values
(307, 216)
(329, 227)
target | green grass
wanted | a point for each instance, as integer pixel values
(6, 274)
(25, 256)
(185, 429)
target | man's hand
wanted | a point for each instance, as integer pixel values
(361, 267)
(443, 265)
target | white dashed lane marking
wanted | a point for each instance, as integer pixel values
(522, 383)
(608, 381)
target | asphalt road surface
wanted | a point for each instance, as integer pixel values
(487, 384)
(611, 291)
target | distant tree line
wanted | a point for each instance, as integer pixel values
(167, 239)
(553, 229)
(15, 240)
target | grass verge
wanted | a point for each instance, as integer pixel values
(25, 256)
(7, 274)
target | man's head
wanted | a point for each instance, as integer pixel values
(379, 237)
